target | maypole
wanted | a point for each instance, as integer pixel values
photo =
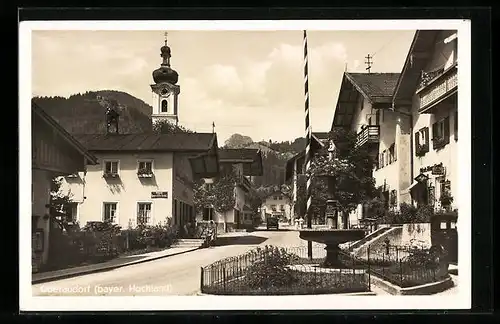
(308, 147)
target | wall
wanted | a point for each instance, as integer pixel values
(394, 235)
(421, 233)
(127, 190)
(388, 174)
(182, 190)
(40, 191)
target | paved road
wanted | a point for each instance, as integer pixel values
(176, 275)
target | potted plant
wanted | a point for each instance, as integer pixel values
(144, 173)
(446, 199)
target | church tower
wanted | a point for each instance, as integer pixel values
(165, 89)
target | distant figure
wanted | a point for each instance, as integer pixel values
(301, 222)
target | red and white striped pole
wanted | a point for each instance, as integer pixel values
(308, 146)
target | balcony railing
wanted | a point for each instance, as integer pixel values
(437, 88)
(369, 134)
(243, 181)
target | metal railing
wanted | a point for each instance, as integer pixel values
(368, 134)
(405, 266)
(281, 271)
(242, 180)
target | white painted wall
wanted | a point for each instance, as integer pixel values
(269, 201)
(127, 191)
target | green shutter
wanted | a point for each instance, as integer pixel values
(426, 136)
(434, 133)
(447, 130)
(417, 142)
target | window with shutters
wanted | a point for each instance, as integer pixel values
(392, 153)
(455, 128)
(441, 133)
(422, 141)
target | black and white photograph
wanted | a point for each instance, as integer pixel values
(193, 165)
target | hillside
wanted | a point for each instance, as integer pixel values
(83, 114)
(274, 157)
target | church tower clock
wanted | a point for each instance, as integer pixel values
(165, 90)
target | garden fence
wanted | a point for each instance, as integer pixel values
(257, 273)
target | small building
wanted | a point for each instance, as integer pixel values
(54, 153)
(142, 178)
(245, 164)
(277, 204)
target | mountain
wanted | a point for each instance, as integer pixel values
(274, 157)
(84, 114)
(238, 141)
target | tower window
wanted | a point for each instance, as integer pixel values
(164, 106)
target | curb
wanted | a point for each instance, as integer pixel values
(425, 289)
(109, 268)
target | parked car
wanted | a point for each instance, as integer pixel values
(272, 222)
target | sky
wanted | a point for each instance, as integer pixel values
(246, 82)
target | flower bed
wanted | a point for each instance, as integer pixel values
(303, 283)
(277, 271)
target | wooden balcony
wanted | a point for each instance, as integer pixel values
(369, 135)
(244, 182)
(439, 87)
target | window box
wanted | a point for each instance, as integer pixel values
(145, 169)
(438, 143)
(110, 175)
(421, 149)
(144, 173)
(110, 169)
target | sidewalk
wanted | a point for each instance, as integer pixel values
(108, 265)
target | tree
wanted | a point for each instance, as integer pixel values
(59, 203)
(166, 127)
(351, 167)
(220, 195)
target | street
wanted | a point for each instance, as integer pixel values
(176, 275)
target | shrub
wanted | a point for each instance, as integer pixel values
(271, 270)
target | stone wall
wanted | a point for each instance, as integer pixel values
(420, 233)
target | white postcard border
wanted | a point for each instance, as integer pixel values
(460, 300)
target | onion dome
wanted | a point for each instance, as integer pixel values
(165, 73)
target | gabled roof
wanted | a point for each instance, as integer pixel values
(316, 144)
(179, 142)
(377, 88)
(251, 159)
(417, 58)
(91, 159)
(238, 154)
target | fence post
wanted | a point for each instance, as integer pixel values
(369, 269)
(401, 272)
(201, 280)
(224, 278)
